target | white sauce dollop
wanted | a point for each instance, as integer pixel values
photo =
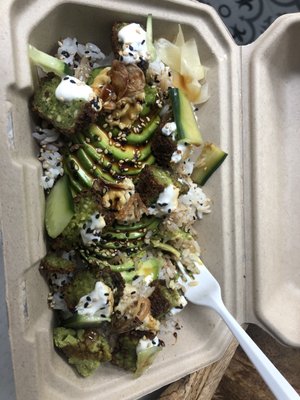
(134, 47)
(169, 129)
(145, 344)
(91, 231)
(97, 303)
(71, 88)
(166, 202)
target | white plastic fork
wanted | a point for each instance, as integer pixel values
(203, 289)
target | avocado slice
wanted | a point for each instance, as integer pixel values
(59, 207)
(109, 164)
(137, 230)
(146, 134)
(187, 127)
(210, 158)
(141, 224)
(78, 321)
(150, 267)
(100, 139)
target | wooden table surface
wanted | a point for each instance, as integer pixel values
(233, 377)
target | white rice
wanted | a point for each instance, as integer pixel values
(70, 52)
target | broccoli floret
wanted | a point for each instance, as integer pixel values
(84, 348)
(84, 282)
(163, 299)
(52, 263)
(66, 117)
(85, 205)
(124, 354)
(127, 356)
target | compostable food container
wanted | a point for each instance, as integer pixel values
(250, 241)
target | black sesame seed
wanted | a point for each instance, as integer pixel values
(88, 298)
(65, 53)
(66, 78)
(133, 292)
(143, 41)
(86, 305)
(86, 52)
(169, 210)
(84, 226)
(131, 54)
(153, 342)
(97, 216)
(106, 294)
(103, 315)
(130, 47)
(72, 81)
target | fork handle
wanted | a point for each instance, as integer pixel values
(278, 385)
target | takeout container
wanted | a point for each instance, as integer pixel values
(250, 241)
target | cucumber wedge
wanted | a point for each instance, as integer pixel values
(78, 321)
(186, 124)
(48, 63)
(149, 38)
(59, 207)
(210, 158)
(145, 359)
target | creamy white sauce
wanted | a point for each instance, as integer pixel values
(179, 153)
(97, 303)
(166, 202)
(134, 46)
(169, 129)
(91, 231)
(179, 308)
(71, 88)
(145, 344)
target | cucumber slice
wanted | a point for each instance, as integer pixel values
(59, 207)
(210, 158)
(48, 63)
(149, 38)
(186, 124)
